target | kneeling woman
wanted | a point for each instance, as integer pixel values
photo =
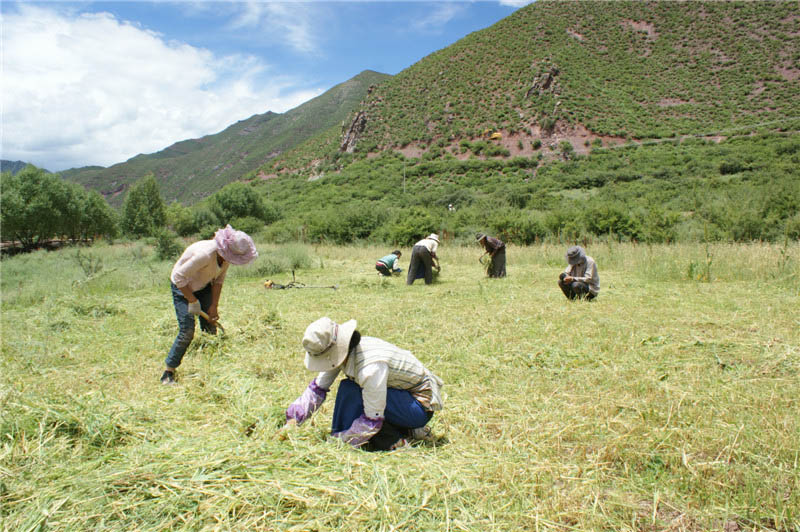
(387, 397)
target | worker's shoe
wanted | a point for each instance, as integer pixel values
(423, 434)
(168, 377)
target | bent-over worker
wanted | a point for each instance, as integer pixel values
(387, 396)
(196, 281)
(423, 259)
(496, 249)
(388, 265)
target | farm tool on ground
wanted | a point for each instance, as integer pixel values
(272, 285)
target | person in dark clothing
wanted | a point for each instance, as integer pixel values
(423, 260)
(496, 249)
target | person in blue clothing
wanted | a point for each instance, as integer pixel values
(387, 265)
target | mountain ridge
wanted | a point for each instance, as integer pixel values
(192, 169)
(583, 71)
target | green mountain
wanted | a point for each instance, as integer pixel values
(650, 121)
(192, 169)
(586, 72)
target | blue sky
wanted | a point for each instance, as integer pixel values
(95, 83)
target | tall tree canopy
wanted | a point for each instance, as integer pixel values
(39, 206)
(143, 210)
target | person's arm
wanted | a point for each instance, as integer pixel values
(372, 380)
(495, 245)
(216, 291)
(587, 274)
(187, 293)
(568, 271)
(312, 397)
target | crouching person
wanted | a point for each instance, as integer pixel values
(580, 280)
(389, 264)
(387, 397)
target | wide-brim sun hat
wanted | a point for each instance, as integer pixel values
(479, 237)
(327, 343)
(235, 246)
(433, 236)
(575, 255)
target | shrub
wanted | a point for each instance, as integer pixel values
(249, 224)
(181, 219)
(167, 245)
(343, 225)
(407, 227)
(732, 167)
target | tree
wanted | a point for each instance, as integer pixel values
(181, 219)
(143, 210)
(33, 201)
(99, 218)
(238, 200)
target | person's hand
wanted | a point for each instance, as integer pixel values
(213, 314)
(195, 308)
(567, 279)
(362, 429)
(305, 405)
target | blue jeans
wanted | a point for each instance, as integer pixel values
(186, 323)
(402, 413)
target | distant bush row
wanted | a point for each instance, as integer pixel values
(739, 190)
(742, 189)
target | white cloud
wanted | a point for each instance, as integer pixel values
(443, 13)
(515, 3)
(291, 22)
(91, 89)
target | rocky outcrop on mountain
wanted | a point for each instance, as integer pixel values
(544, 82)
(351, 133)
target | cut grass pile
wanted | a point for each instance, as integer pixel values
(669, 403)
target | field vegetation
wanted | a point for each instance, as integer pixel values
(669, 403)
(690, 190)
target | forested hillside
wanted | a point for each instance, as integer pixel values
(586, 71)
(649, 121)
(193, 169)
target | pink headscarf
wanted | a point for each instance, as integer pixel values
(235, 246)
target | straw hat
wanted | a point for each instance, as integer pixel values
(235, 246)
(433, 236)
(326, 343)
(575, 255)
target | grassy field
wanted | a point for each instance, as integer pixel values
(669, 403)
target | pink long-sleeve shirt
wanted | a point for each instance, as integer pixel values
(198, 266)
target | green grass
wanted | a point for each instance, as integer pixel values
(669, 403)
